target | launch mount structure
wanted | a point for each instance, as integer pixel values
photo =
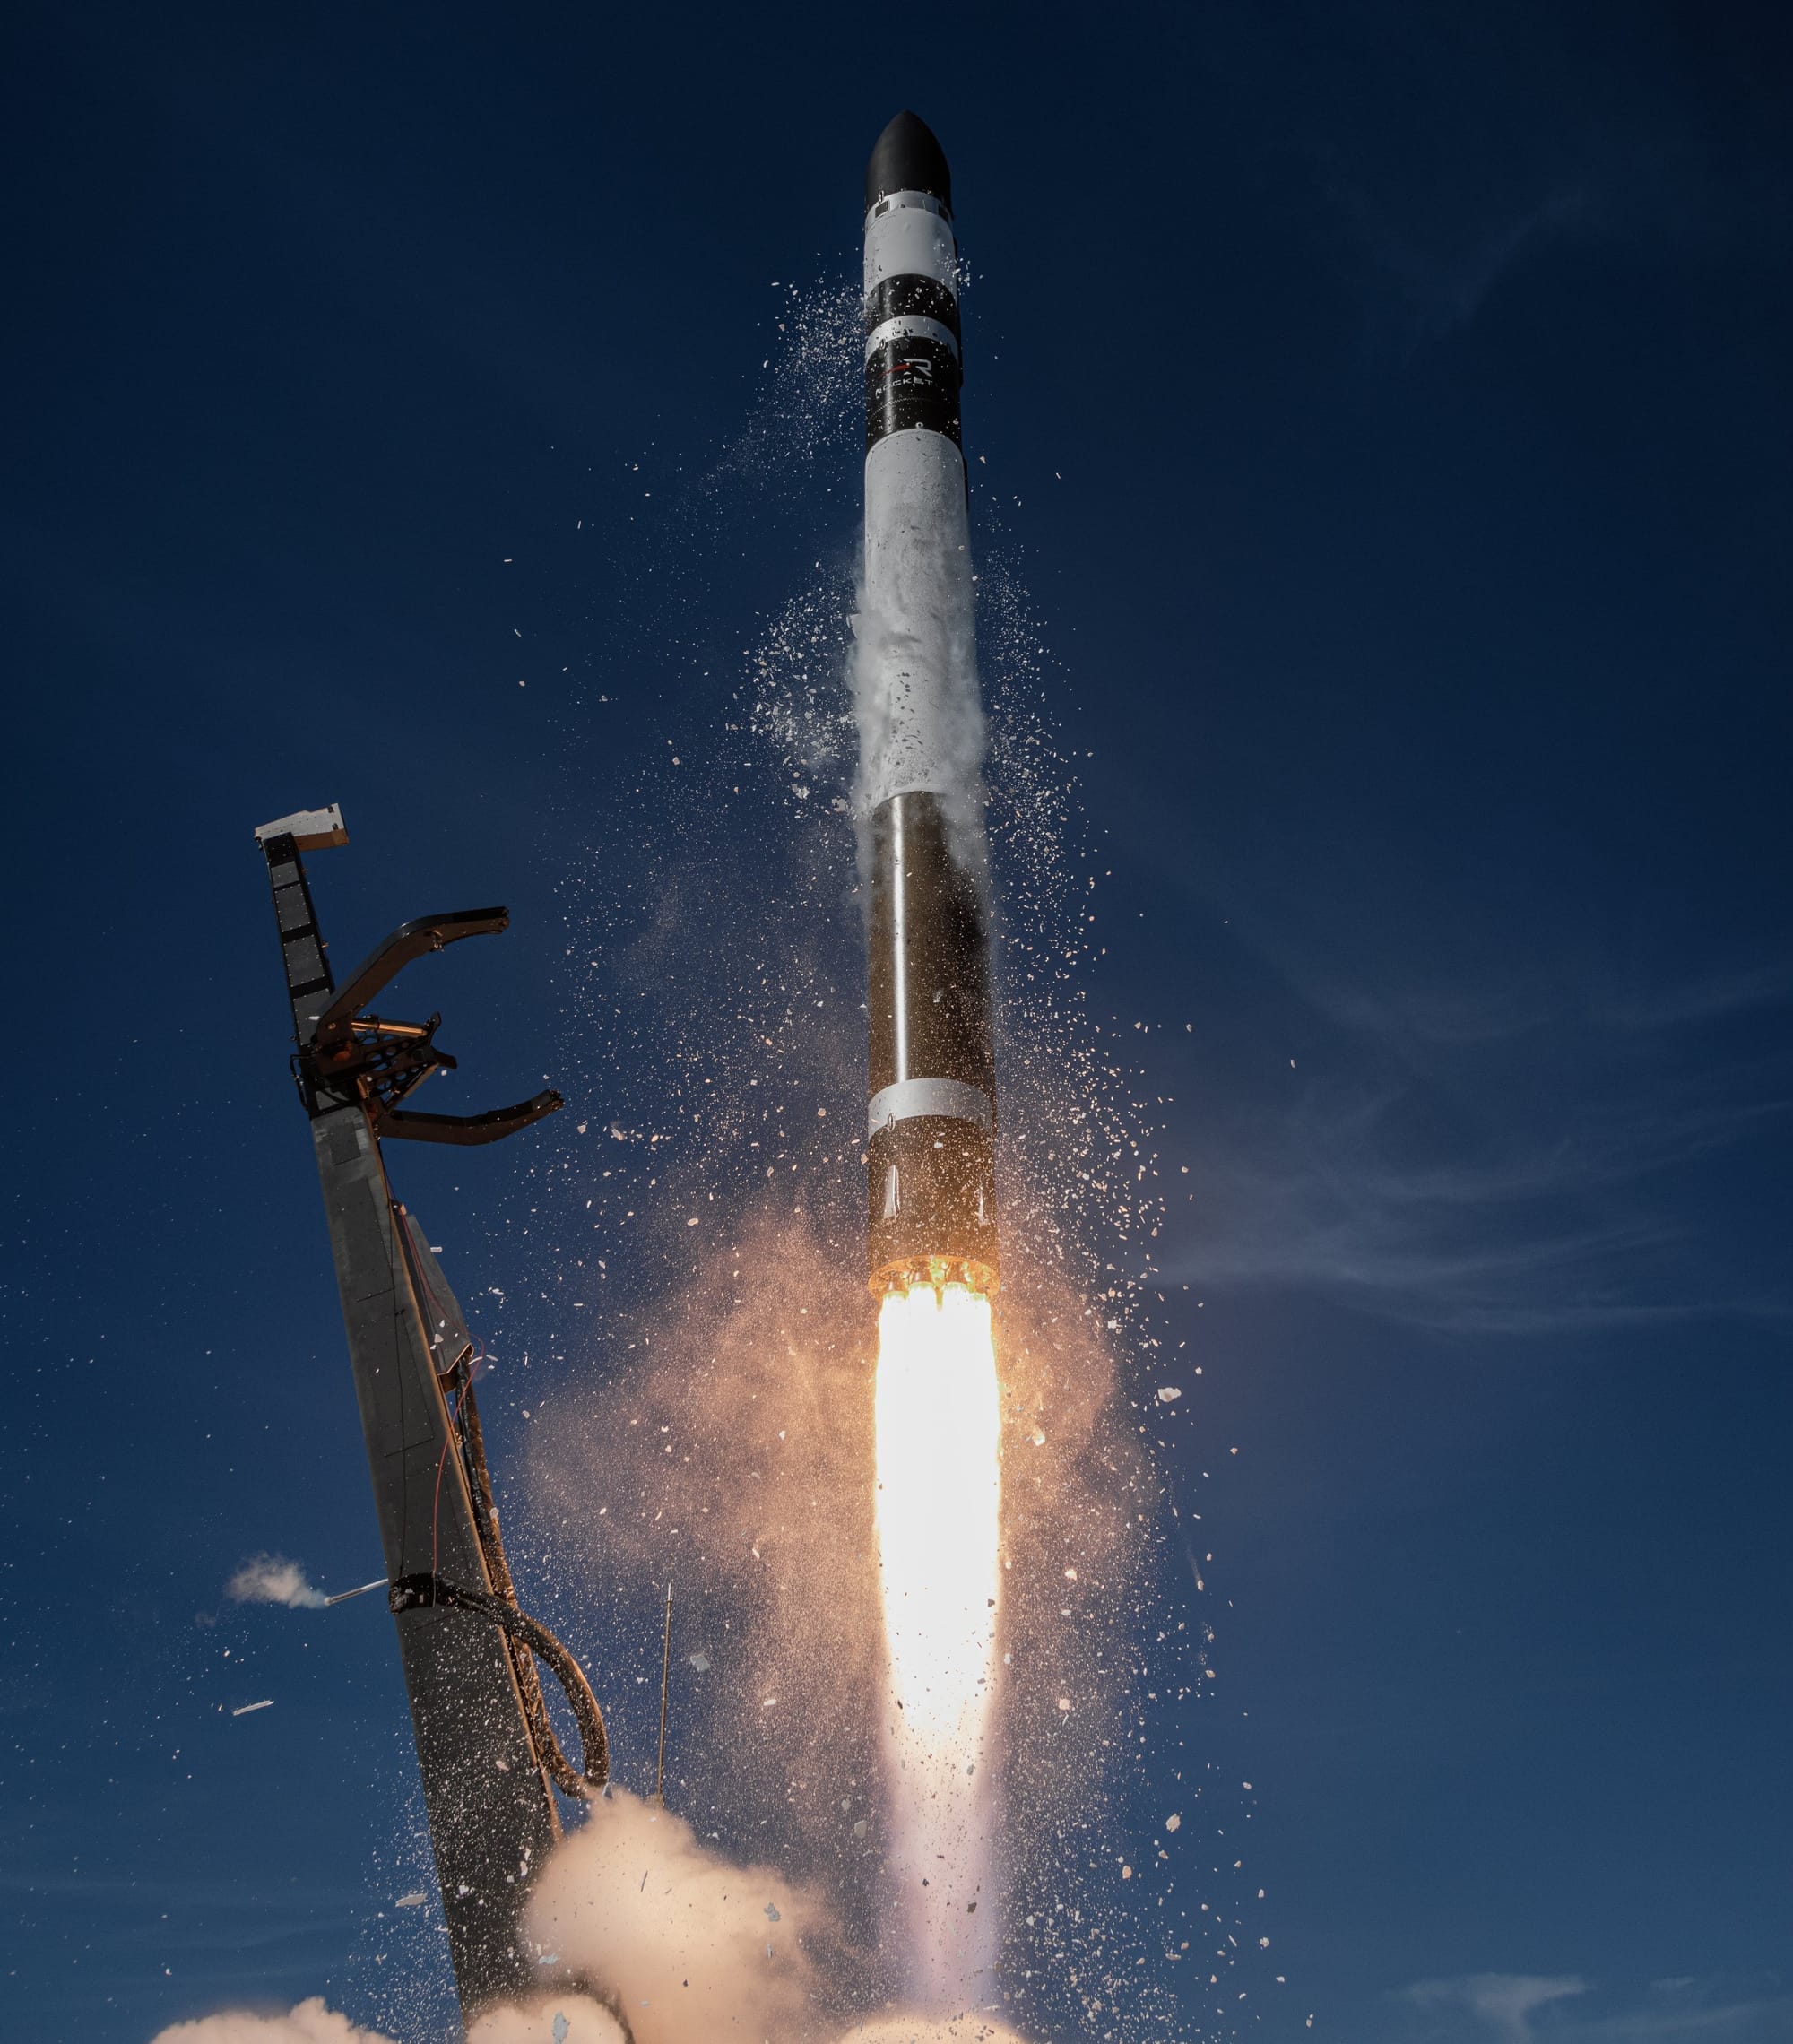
(485, 1747)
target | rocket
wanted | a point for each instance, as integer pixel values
(931, 1079)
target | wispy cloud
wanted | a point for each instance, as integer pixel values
(1504, 1159)
(1517, 2008)
(1488, 1228)
(1485, 1246)
(1499, 2005)
(1496, 1009)
(1440, 289)
(1510, 174)
(1712, 998)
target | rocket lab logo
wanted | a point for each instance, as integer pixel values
(911, 384)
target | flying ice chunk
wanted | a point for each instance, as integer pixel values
(243, 1710)
(701, 1662)
(1174, 1823)
(414, 1900)
(1168, 1394)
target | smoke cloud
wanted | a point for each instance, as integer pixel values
(958, 2029)
(685, 1946)
(693, 1948)
(755, 1375)
(309, 2023)
(549, 2019)
(271, 1579)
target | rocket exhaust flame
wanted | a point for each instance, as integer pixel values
(938, 1505)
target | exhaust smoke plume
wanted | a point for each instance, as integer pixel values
(309, 2023)
(956, 2029)
(684, 1946)
(549, 2019)
(694, 1949)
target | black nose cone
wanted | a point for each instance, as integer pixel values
(908, 159)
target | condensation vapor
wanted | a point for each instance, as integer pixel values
(271, 1579)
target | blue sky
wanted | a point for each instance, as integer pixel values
(1384, 411)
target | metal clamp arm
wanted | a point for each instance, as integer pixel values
(468, 1129)
(409, 941)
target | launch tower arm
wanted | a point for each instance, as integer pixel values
(485, 1747)
(495, 1124)
(345, 1054)
(409, 941)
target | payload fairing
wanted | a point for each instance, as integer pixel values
(932, 1081)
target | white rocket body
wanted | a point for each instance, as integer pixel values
(920, 721)
(930, 1115)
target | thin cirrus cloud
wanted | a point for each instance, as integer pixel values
(1524, 2008)
(1439, 290)
(1497, 1231)
(1493, 2004)
(1514, 1165)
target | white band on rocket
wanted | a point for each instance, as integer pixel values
(909, 1098)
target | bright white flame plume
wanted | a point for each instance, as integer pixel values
(939, 1422)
